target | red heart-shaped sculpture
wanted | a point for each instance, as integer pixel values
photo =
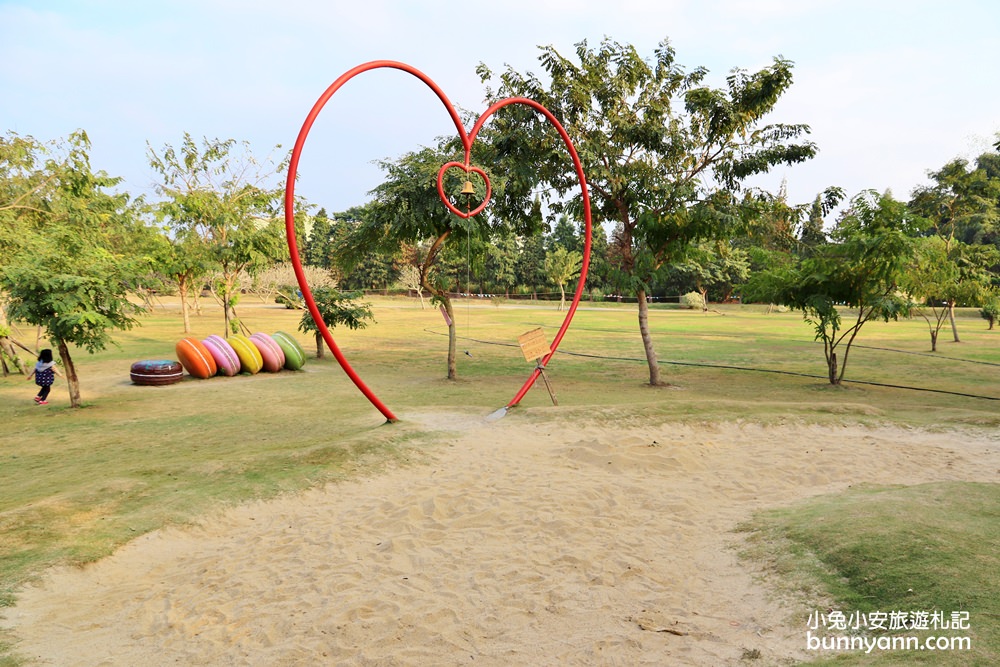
(467, 139)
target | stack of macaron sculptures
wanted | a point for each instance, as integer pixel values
(216, 355)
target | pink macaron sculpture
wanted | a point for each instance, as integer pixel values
(270, 351)
(224, 355)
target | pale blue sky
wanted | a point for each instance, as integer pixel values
(890, 89)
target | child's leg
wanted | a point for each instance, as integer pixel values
(43, 393)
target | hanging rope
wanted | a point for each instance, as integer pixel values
(468, 263)
(468, 275)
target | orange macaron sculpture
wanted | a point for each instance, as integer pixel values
(196, 359)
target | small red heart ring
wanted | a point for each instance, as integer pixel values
(467, 169)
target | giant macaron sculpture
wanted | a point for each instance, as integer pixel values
(295, 356)
(196, 359)
(224, 355)
(156, 372)
(250, 360)
(270, 352)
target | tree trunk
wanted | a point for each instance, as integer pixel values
(452, 338)
(445, 301)
(934, 336)
(72, 379)
(832, 364)
(182, 290)
(951, 318)
(320, 345)
(647, 340)
(562, 297)
(225, 312)
(11, 354)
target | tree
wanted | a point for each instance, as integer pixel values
(24, 185)
(73, 274)
(599, 272)
(561, 266)
(319, 246)
(860, 271)
(945, 273)
(715, 265)
(500, 262)
(336, 308)
(183, 260)
(220, 195)
(407, 209)
(564, 235)
(811, 235)
(991, 309)
(529, 268)
(961, 206)
(663, 153)
(411, 260)
(409, 278)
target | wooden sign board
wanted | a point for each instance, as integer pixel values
(533, 344)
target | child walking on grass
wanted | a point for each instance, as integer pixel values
(45, 373)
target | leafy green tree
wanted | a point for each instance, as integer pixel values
(24, 185)
(373, 271)
(945, 273)
(564, 235)
(663, 153)
(219, 194)
(561, 266)
(715, 266)
(407, 209)
(318, 249)
(811, 235)
(73, 274)
(529, 268)
(360, 268)
(337, 309)
(183, 260)
(961, 206)
(991, 308)
(861, 271)
(500, 262)
(599, 272)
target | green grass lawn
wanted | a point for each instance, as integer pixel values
(927, 548)
(76, 484)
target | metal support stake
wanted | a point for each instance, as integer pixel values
(545, 379)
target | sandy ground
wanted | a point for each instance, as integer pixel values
(529, 541)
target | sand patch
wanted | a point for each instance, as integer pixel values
(526, 541)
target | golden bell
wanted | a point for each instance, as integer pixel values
(468, 189)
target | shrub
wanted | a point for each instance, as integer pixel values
(693, 300)
(990, 311)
